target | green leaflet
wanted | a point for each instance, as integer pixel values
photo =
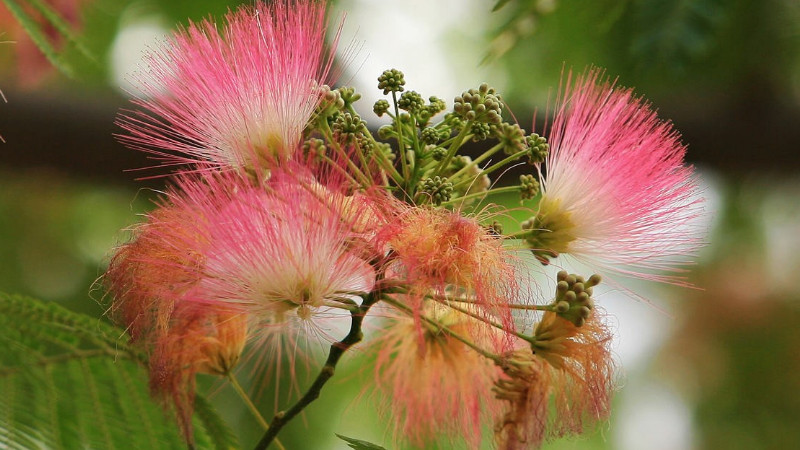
(37, 35)
(63, 28)
(71, 381)
(358, 444)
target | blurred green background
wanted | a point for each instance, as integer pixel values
(710, 368)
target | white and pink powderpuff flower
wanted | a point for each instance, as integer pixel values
(283, 253)
(237, 95)
(616, 194)
(437, 387)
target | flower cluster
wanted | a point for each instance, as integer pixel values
(288, 218)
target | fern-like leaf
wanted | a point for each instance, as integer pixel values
(37, 35)
(70, 381)
(61, 26)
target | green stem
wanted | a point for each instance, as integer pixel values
(384, 162)
(335, 353)
(494, 167)
(445, 298)
(521, 234)
(481, 194)
(477, 160)
(482, 319)
(363, 179)
(454, 146)
(401, 144)
(252, 407)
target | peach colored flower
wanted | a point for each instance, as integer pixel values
(148, 275)
(199, 339)
(441, 252)
(436, 386)
(150, 279)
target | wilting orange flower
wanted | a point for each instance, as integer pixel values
(154, 270)
(151, 279)
(438, 386)
(557, 385)
(200, 339)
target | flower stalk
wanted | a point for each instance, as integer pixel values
(354, 336)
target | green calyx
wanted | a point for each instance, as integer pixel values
(480, 131)
(314, 148)
(435, 105)
(573, 300)
(347, 126)
(348, 95)
(380, 108)
(411, 101)
(391, 80)
(387, 132)
(330, 104)
(551, 231)
(438, 153)
(454, 121)
(430, 135)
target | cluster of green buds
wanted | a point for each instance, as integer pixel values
(481, 105)
(428, 166)
(422, 159)
(573, 300)
(554, 338)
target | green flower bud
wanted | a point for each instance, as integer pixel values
(347, 126)
(529, 186)
(539, 148)
(411, 101)
(437, 188)
(429, 135)
(391, 80)
(512, 137)
(349, 95)
(380, 107)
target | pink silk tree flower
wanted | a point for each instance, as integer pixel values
(283, 252)
(439, 386)
(615, 192)
(237, 95)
